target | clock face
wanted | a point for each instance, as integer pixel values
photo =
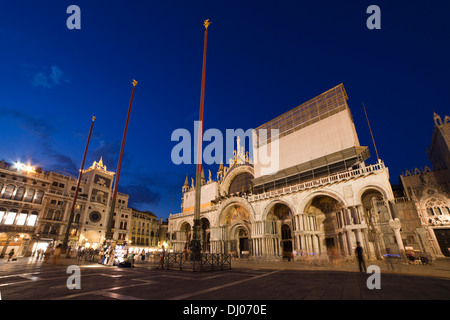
(95, 216)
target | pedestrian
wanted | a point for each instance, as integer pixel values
(336, 257)
(101, 255)
(186, 253)
(161, 258)
(47, 254)
(306, 257)
(57, 254)
(10, 254)
(360, 256)
(111, 257)
(143, 255)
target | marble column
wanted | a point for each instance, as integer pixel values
(395, 225)
(349, 242)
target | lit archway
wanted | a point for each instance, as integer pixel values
(321, 220)
(235, 220)
(279, 218)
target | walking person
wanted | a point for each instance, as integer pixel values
(186, 253)
(360, 256)
(47, 254)
(57, 254)
(161, 258)
(10, 254)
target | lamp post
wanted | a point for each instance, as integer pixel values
(195, 245)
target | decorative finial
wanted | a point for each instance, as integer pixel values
(134, 83)
(93, 118)
(206, 23)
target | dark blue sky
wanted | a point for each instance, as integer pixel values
(264, 58)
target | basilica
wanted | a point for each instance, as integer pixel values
(323, 196)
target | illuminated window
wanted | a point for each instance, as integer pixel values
(32, 219)
(10, 217)
(2, 214)
(22, 217)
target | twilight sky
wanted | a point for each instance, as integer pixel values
(264, 58)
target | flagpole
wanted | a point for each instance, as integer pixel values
(109, 233)
(72, 211)
(195, 245)
(371, 134)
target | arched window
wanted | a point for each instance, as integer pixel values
(39, 197)
(241, 183)
(32, 219)
(49, 214)
(22, 218)
(29, 196)
(46, 229)
(19, 194)
(57, 215)
(11, 217)
(2, 214)
(8, 191)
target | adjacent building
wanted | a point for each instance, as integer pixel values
(35, 207)
(428, 189)
(148, 233)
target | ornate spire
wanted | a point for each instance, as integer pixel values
(203, 177)
(185, 187)
(220, 172)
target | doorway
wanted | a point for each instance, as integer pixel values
(443, 238)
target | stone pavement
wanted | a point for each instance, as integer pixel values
(257, 282)
(439, 269)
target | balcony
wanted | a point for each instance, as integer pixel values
(314, 183)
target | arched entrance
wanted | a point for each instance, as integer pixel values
(18, 242)
(235, 224)
(91, 239)
(321, 221)
(279, 220)
(243, 242)
(186, 233)
(375, 212)
(205, 234)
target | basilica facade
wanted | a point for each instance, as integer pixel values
(323, 196)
